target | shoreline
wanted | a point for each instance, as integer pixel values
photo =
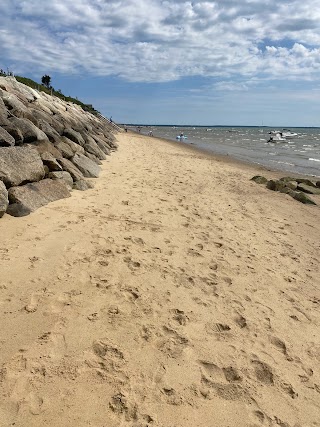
(229, 159)
(176, 292)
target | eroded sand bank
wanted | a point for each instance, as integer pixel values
(175, 293)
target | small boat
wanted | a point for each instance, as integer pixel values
(285, 133)
(288, 134)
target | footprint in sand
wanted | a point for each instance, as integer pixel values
(33, 304)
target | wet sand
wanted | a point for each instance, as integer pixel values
(175, 293)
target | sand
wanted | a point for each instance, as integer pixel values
(177, 292)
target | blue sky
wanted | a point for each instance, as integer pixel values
(228, 62)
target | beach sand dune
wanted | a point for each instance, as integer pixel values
(177, 292)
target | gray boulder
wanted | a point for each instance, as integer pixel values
(74, 136)
(3, 114)
(29, 131)
(50, 161)
(259, 179)
(83, 185)
(72, 169)
(75, 148)
(51, 133)
(4, 202)
(308, 188)
(305, 181)
(46, 146)
(93, 158)
(19, 165)
(92, 147)
(275, 185)
(102, 145)
(64, 176)
(64, 148)
(5, 138)
(27, 198)
(87, 166)
(302, 197)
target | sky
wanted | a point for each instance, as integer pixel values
(226, 62)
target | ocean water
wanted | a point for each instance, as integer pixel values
(300, 154)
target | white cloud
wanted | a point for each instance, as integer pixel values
(162, 40)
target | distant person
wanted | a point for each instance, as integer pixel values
(125, 129)
(111, 119)
(150, 133)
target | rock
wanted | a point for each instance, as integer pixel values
(318, 184)
(287, 178)
(308, 188)
(83, 185)
(3, 114)
(68, 166)
(275, 185)
(46, 146)
(93, 158)
(75, 148)
(51, 133)
(5, 138)
(27, 198)
(89, 168)
(4, 202)
(29, 94)
(74, 136)
(305, 181)
(92, 147)
(29, 131)
(19, 165)
(50, 161)
(14, 132)
(259, 179)
(301, 197)
(64, 176)
(104, 147)
(13, 104)
(64, 148)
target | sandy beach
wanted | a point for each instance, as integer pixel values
(176, 293)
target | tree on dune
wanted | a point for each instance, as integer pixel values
(46, 80)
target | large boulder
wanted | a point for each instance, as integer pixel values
(29, 131)
(19, 165)
(302, 197)
(4, 202)
(93, 158)
(46, 146)
(259, 179)
(13, 103)
(83, 185)
(6, 140)
(92, 147)
(3, 113)
(103, 145)
(305, 181)
(64, 176)
(74, 136)
(64, 148)
(72, 169)
(50, 161)
(28, 93)
(27, 198)
(87, 166)
(51, 133)
(75, 148)
(309, 189)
